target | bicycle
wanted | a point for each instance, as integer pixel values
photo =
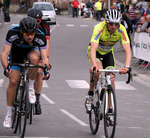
(100, 103)
(21, 110)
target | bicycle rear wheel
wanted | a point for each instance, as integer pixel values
(109, 126)
(94, 114)
(23, 112)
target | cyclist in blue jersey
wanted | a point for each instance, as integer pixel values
(23, 41)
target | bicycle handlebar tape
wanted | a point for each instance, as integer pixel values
(129, 76)
(93, 76)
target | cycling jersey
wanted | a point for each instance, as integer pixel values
(106, 41)
(15, 38)
(45, 28)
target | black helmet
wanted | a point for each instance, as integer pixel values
(35, 13)
(28, 25)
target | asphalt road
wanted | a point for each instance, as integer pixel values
(63, 95)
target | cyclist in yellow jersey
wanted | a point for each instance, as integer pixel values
(100, 51)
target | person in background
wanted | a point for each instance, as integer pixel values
(132, 14)
(98, 9)
(122, 6)
(142, 10)
(147, 9)
(89, 4)
(75, 4)
(143, 20)
(138, 19)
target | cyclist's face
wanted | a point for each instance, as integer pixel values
(28, 36)
(112, 27)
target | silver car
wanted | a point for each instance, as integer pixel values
(48, 11)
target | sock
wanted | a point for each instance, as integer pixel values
(31, 83)
(37, 97)
(90, 93)
(110, 110)
(9, 111)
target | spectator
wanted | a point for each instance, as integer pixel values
(103, 9)
(132, 14)
(98, 9)
(88, 4)
(127, 6)
(145, 27)
(22, 5)
(118, 5)
(54, 4)
(141, 9)
(127, 24)
(122, 6)
(138, 19)
(147, 9)
(75, 4)
(143, 20)
(82, 5)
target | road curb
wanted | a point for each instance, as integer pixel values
(135, 73)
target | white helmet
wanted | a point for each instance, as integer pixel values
(113, 16)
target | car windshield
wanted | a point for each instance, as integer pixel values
(44, 7)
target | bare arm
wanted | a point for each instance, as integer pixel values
(45, 60)
(4, 55)
(93, 49)
(128, 54)
(48, 48)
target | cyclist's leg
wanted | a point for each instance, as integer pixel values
(13, 81)
(89, 98)
(38, 87)
(109, 63)
(33, 56)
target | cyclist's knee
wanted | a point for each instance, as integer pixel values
(13, 82)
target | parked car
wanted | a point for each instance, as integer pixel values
(48, 11)
(143, 4)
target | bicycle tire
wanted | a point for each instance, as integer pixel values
(24, 111)
(30, 113)
(94, 119)
(110, 129)
(16, 107)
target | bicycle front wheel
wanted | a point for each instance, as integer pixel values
(110, 118)
(24, 112)
(94, 114)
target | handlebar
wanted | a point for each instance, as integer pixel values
(116, 71)
(27, 65)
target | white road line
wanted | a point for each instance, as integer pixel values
(1, 82)
(14, 24)
(47, 99)
(122, 85)
(82, 84)
(83, 25)
(45, 84)
(53, 28)
(74, 118)
(25, 137)
(70, 25)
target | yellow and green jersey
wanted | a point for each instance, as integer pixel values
(106, 41)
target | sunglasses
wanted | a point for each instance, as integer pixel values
(111, 24)
(38, 20)
(27, 34)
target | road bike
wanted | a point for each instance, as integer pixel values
(100, 103)
(21, 107)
